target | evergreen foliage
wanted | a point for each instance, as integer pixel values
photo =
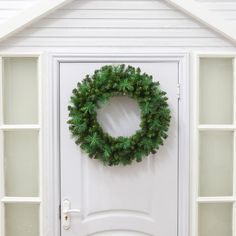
(108, 81)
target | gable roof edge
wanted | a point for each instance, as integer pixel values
(207, 17)
(29, 16)
(192, 8)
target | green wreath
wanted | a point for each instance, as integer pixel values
(113, 80)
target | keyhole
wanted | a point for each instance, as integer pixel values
(66, 218)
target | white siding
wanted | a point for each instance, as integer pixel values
(119, 25)
(10, 8)
(226, 9)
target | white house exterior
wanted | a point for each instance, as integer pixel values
(48, 46)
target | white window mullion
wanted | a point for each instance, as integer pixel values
(28, 200)
(217, 127)
(234, 160)
(41, 207)
(2, 212)
(234, 188)
(215, 199)
(19, 127)
(234, 75)
(195, 148)
(1, 166)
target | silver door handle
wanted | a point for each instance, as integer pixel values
(66, 211)
(71, 211)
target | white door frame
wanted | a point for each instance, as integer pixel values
(51, 127)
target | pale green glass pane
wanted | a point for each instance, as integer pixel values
(216, 91)
(216, 163)
(215, 219)
(22, 220)
(21, 163)
(20, 98)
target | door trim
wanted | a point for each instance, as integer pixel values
(51, 128)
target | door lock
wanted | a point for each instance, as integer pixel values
(66, 214)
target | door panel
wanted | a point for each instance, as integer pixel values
(136, 200)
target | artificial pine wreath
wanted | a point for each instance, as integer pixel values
(113, 80)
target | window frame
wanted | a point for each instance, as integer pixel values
(17, 127)
(195, 129)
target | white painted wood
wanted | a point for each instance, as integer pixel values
(28, 200)
(118, 23)
(2, 189)
(116, 4)
(19, 127)
(234, 152)
(5, 14)
(119, 35)
(53, 145)
(184, 141)
(40, 143)
(29, 16)
(215, 199)
(194, 114)
(212, 20)
(114, 42)
(50, 138)
(220, 6)
(115, 14)
(217, 127)
(60, 32)
(65, 165)
(135, 13)
(115, 24)
(164, 28)
(20, 4)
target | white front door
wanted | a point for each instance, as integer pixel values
(136, 200)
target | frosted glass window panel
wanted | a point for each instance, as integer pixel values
(22, 220)
(216, 163)
(21, 163)
(216, 91)
(215, 219)
(20, 90)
